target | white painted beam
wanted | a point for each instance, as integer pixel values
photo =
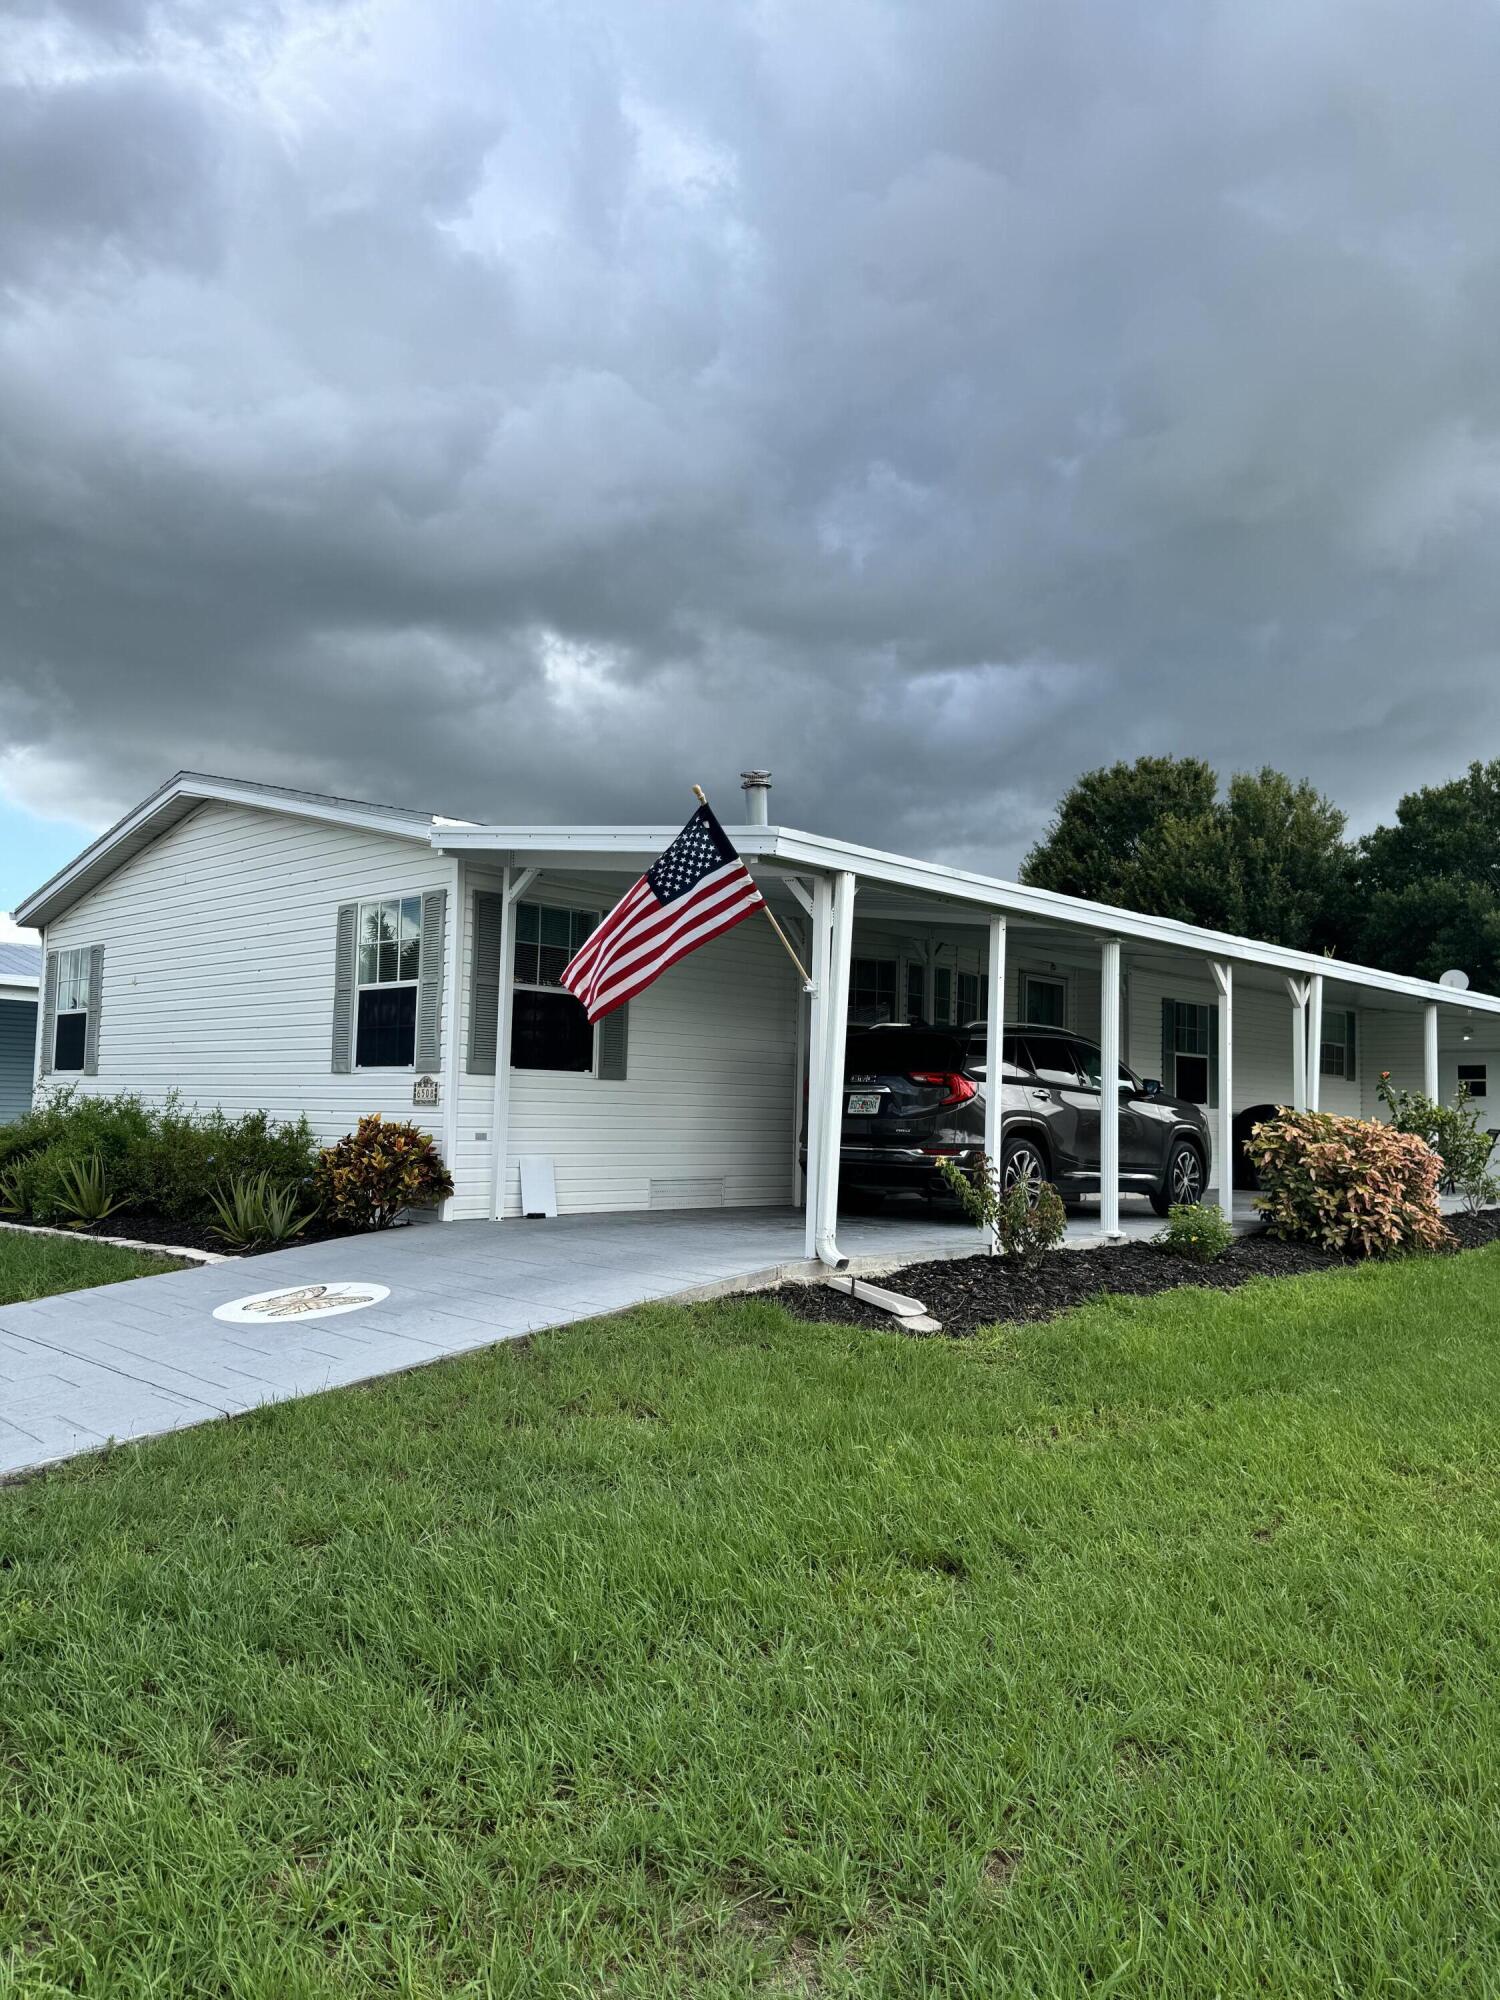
(512, 885)
(1314, 1041)
(1109, 1086)
(835, 1028)
(1297, 993)
(1224, 1141)
(817, 1060)
(994, 1076)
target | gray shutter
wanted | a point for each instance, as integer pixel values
(1169, 1047)
(484, 983)
(91, 1021)
(614, 1045)
(49, 1013)
(345, 945)
(430, 981)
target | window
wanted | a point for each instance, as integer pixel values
(1044, 1001)
(1336, 1051)
(973, 996)
(549, 1029)
(1054, 1061)
(389, 965)
(916, 991)
(872, 989)
(1190, 1066)
(1474, 1078)
(70, 1036)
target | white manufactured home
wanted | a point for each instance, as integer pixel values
(255, 947)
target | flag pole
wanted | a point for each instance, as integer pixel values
(702, 797)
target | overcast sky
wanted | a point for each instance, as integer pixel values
(524, 410)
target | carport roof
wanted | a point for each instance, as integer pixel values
(954, 892)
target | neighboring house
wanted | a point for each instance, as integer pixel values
(256, 947)
(20, 977)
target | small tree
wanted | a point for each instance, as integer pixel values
(1025, 1229)
(1454, 1133)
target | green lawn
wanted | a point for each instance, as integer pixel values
(1152, 1652)
(34, 1267)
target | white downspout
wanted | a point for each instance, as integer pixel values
(994, 1056)
(1224, 980)
(1109, 1086)
(1430, 1050)
(836, 1023)
(1314, 1041)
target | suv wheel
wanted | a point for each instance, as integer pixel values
(1182, 1184)
(1022, 1160)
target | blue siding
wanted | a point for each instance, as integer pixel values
(17, 1051)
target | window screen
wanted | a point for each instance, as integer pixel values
(387, 1027)
(1336, 1050)
(1475, 1078)
(550, 1031)
(546, 938)
(872, 989)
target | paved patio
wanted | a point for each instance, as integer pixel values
(132, 1360)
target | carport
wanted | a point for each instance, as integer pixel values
(1245, 1022)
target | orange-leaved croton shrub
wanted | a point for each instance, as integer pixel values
(1351, 1184)
(374, 1174)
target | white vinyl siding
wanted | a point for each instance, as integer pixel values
(707, 1097)
(219, 964)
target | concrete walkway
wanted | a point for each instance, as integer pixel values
(132, 1360)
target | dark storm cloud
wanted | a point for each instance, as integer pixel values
(524, 412)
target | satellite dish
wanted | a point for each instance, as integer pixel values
(1455, 977)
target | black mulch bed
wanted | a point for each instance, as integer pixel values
(966, 1293)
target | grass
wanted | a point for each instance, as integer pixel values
(1150, 1652)
(34, 1267)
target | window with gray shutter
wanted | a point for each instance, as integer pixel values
(72, 1033)
(484, 983)
(614, 1045)
(49, 1010)
(345, 941)
(96, 994)
(430, 980)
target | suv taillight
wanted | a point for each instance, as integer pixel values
(959, 1088)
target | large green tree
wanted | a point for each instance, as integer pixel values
(1268, 860)
(1426, 891)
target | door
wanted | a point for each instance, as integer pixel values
(1138, 1143)
(1062, 1098)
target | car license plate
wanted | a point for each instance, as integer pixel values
(862, 1104)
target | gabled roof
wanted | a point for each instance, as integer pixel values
(184, 794)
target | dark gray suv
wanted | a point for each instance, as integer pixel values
(915, 1095)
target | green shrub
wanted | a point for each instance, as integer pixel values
(1454, 1133)
(1352, 1184)
(1197, 1232)
(1024, 1229)
(162, 1161)
(373, 1175)
(253, 1210)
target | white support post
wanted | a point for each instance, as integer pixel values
(817, 1059)
(1430, 1050)
(994, 1054)
(451, 1068)
(1224, 1140)
(801, 1096)
(1109, 1086)
(835, 1030)
(516, 882)
(1297, 993)
(1314, 1041)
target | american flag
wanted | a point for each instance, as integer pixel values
(696, 890)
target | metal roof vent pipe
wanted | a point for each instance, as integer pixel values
(756, 785)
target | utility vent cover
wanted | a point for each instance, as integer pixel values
(687, 1192)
